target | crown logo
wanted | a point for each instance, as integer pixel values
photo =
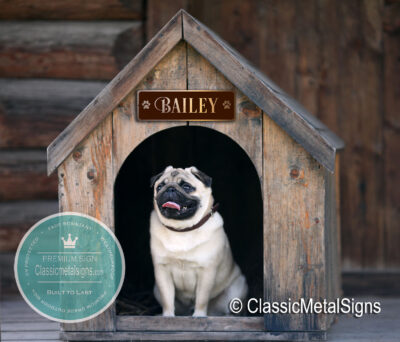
(69, 243)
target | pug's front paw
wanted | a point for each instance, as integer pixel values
(168, 313)
(200, 313)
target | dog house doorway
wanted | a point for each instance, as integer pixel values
(236, 187)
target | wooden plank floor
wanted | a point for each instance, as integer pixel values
(20, 323)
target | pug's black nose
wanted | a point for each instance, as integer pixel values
(171, 190)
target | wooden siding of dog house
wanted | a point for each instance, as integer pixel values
(95, 163)
(300, 228)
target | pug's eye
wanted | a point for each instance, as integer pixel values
(159, 186)
(187, 187)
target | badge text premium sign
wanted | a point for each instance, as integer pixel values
(186, 105)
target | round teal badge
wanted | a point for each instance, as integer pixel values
(69, 267)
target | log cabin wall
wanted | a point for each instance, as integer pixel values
(338, 58)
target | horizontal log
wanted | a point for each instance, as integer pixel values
(17, 217)
(23, 176)
(34, 112)
(72, 9)
(60, 49)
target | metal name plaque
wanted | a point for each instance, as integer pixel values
(186, 105)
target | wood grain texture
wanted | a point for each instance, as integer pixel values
(294, 234)
(67, 49)
(332, 242)
(328, 64)
(277, 43)
(332, 58)
(362, 173)
(180, 323)
(158, 12)
(85, 186)
(246, 129)
(339, 289)
(17, 217)
(116, 90)
(318, 140)
(391, 134)
(169, 73)
(307, 43)
(193, 336)
(71, 10)
(23, 176)
(33, 112)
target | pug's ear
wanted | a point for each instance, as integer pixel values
(201, 176)
(154, 179)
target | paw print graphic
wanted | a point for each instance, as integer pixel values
(226, 104)
(146, 104)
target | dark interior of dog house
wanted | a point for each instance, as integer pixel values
(235, 185)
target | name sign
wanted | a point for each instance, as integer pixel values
(186, 105)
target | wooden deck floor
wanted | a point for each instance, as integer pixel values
(20, 323)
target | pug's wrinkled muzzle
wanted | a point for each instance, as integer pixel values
(175, 204)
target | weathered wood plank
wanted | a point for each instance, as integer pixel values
(318, 140)
(169, 73)
(158, 12)
(85, 186)
(71, 10)
(243, 34)
(242, 24)
(30, 335)
(308, 58)
(360, 98)
(33, 112)
(383, 284)
(331, 241)
(179, 323)
(22, 318)
(391, 134)
(339, 290)
(63, 49)
(329, 50)
(17, 217)
(193, 336)
(294, 219)
(116, 90)
(23, 176)
(246, 129)
(277, 45)
(31, 327)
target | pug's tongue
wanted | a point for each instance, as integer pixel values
(171, 205)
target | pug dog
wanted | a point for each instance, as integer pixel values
(193, 264)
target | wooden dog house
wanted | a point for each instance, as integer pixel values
(294, 155)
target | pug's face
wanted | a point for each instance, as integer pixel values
(181, 194)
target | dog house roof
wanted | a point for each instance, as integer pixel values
(303, 127)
